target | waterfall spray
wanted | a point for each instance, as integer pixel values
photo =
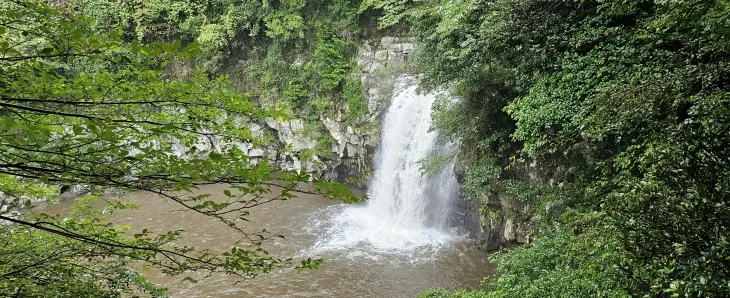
(407, 210)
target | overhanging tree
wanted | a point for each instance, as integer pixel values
(80, 108)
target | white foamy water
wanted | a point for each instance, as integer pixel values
(407, 211)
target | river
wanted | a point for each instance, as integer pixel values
(406, 239)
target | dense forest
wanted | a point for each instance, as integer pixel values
(612, 117)
(605, 123)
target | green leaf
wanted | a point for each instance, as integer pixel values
(77, 130)
(47, 51)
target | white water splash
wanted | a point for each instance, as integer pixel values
(407, 211)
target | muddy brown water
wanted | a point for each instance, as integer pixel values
(347, 272)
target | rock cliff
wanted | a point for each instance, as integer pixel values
(351, 149)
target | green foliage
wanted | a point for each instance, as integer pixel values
(354, 98)
(438, 293)
(520, 189)
(80, 106)
(306, 155)
(392, 12)
(337, 190)
(476, 182)
(212, 38)
(294, 52)
(26, 190)
(448, 116)
(317, 131)
(286, 21)
(560, 265)
(433, 164)
(324, 146)
(495, 216)
(607, 107)
(329, 62)
(50, 265)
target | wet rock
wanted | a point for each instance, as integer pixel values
(73, 191)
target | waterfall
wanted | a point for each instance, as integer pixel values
(407, 210)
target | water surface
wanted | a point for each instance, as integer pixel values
(354, 271)
(406, 239)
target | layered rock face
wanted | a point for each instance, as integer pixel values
(7, 205)
(504, 220)
(352, 148)
(339, 151)
(499, 227)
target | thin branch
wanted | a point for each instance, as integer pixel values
(83, 238)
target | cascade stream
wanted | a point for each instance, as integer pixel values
(407, 210)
